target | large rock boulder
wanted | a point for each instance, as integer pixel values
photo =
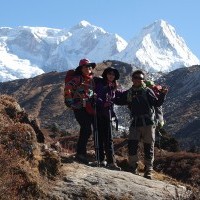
(85, 182)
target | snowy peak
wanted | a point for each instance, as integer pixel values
(164, 34)
(84, 23)
(158, 48)
(28, 51)
(87, 27)
(86, 40)
(48, 49)
(158, 24)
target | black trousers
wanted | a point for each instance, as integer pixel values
(105, 139)
(86, 122)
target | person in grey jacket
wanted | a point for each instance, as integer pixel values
(141, 101)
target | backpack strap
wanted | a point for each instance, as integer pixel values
(150, 115)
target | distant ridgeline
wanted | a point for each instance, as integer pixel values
(42, 97)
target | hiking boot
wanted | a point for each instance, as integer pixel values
(103, 163)
(113, 166)
(134, 170)
(95, 164)
(148, 174)
(81, 158)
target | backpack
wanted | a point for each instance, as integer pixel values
(155, 87)
(158, 110)
(69, 75)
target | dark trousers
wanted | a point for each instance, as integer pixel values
(85, 121)
(105, 139)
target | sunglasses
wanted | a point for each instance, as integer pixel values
(138, 78)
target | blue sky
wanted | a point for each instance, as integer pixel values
(124, 17)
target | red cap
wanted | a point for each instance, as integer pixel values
(85, 61)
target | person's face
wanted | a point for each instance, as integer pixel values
(111, 76)
(86, 69)
(138, 79)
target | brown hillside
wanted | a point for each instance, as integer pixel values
(42, 96)
(22, 164)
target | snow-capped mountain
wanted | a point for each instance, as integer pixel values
(84, 40)
(158, 48)
(29, 51)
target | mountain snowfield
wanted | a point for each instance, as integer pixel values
(29, 51)
(158, 48)
(12, 67)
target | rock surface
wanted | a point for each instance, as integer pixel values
(85, 182)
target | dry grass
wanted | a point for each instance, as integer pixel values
(177, 168)
(19, 155)
(183, 166)
(16, 181)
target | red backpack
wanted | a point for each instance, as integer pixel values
(69, 75)
(156, 89)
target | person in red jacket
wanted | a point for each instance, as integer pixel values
(79, 93)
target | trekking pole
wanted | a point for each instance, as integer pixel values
(96, 135)
(159, 140)
(116, 122)
(110, 119)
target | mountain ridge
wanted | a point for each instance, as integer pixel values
(158, 47)
(182, 111)
(40, 96)
(29, 51)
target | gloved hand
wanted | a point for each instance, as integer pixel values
(164, 89)
(69, 102)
